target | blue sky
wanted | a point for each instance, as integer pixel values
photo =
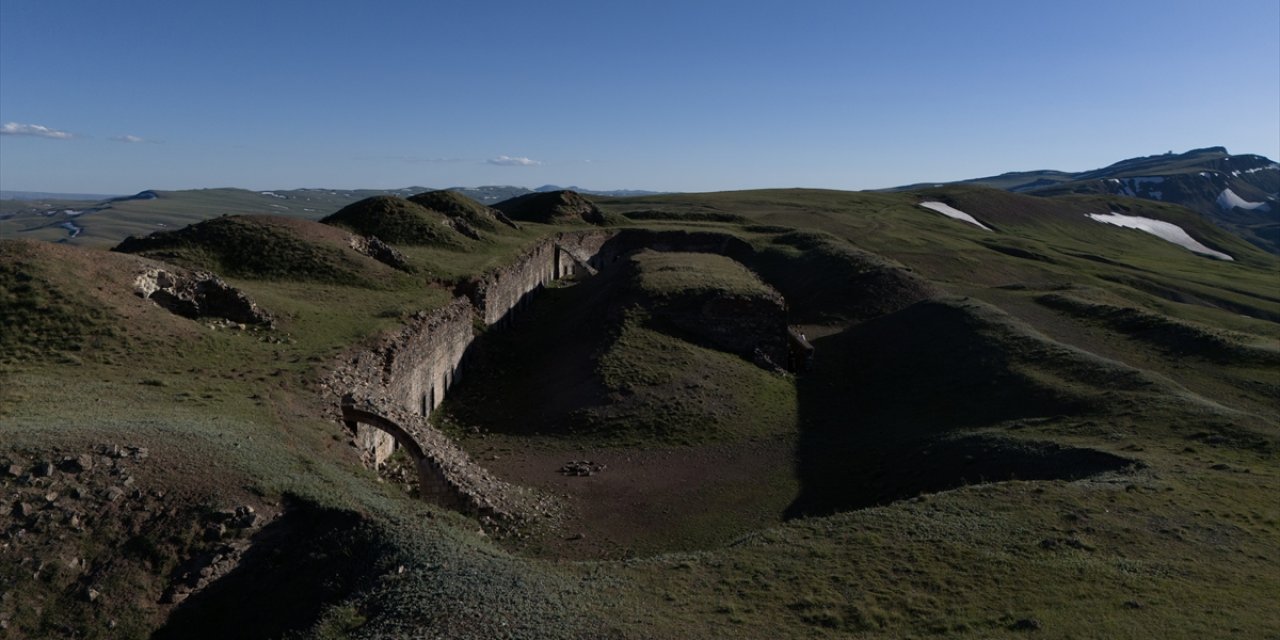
(115, 97)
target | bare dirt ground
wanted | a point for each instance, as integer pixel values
(643, 501)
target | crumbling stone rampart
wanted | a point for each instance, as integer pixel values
(386, 392)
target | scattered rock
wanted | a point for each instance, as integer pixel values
(382, 252)
(215, 532)
(13, 470)
(581, 468)
(43, 470)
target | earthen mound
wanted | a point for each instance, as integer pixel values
(401, 221)
(552, 207)
(826, 280)
(455, 206)
(265, 247)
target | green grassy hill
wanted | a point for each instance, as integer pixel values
(1053, 427)
(1236, 193)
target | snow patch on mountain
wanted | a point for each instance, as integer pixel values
(1228, 200)
(952, 212)
(1166, 231)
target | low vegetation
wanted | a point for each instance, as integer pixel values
(1055, 428)
(263, 247)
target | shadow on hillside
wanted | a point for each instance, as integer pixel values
(304, 561)
(891, 408)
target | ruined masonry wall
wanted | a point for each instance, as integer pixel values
(498, 293)
(416, 366)
(407, 374)
(420, 370)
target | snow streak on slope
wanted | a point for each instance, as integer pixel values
(951, 212)
(1164, 230)
(1229, 200)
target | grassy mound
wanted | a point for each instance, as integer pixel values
(552, 207)
(397, 221)
(456, 206)
(263, 247)
(671, 274)
(824, 279)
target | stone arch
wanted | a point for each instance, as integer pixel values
(432, 483)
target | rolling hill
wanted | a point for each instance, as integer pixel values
(954, 411)
(1240, 193)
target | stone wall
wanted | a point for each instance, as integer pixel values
(496, 294)
(385, 392)
(419, 369)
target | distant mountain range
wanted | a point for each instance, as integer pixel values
(42, 195)
(484, 194)
(1238, 193)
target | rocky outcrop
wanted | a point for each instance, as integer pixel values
(198, 294)
(382, 252)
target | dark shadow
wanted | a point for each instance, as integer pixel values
(891, 406)
(304, 561)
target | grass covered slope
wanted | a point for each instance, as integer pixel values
(1056, 428)
(268, 247)
(456, 206)
(41, 319)
(398, 221)
(552, 207)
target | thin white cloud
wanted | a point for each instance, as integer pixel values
(425, 160)
(34, 130)
(508, 161)
(129, 139)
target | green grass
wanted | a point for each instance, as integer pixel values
(666, 390)
(668, 274)
(397, 221)
(258, 247)
(1183, 546)
(455, 205)
(41, 319)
